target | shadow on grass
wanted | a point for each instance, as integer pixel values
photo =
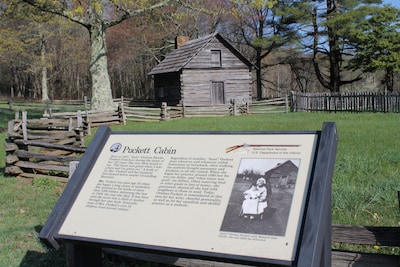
(49, 258)
(58, 258)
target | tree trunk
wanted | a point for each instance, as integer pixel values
(317, 69)
(389, 79)
(258, 73)
(12, 84)
(333, 8)
(334, 81)
(45, 88)
(334, 60)
(101, 86)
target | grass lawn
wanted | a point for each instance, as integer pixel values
(365, 183)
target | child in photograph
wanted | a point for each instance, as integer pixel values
(250, 202)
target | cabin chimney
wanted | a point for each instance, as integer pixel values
(180, 40)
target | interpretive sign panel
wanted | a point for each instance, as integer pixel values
(222, 194)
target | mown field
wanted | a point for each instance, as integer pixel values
(365, 183)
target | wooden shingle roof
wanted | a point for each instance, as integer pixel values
(180, 57)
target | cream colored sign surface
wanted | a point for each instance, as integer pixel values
(186, 191)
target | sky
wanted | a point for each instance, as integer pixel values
(395, 3)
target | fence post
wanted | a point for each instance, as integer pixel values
(88, 123)
(79, 122)
(164, 113)
(24, 125)
(286, 104)
(70, 126)
(80, 127)
(234, 107)
(122, 115)
(85, 102)
(183, 110)
(292, 102)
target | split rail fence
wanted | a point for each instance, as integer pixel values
(151, 111)
(235, 108)
(345, 102)
(52, 146)
(48, 148)
(276, 105)
(88, 119)
(379, 238)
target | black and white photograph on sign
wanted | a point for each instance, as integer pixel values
(261, 196)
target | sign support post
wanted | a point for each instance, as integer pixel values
(83, 255)
(315, 248)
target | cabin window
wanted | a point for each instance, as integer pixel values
(215, 58)
(217, 93)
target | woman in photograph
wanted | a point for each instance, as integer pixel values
(263, 193)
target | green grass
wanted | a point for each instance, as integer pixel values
(24, 207)
(365, 182)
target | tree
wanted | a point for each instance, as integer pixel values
(266, 25)
(331, 26)
(377, 42)
(42, 54)
(22, 47)
(96, 17)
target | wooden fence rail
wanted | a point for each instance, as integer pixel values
(206, 111)
(89, 118)
(276, 105)
(345, 102)
(48, 145)
(143, 114)
(52, 146)
(151, 111)
(371, 236)
(165, 112)
(42, 148)
(56, 104)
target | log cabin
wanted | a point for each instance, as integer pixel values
(283, 175)
(207, 71)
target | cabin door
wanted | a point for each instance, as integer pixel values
(217, 93)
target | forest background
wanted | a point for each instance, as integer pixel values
(47, 51)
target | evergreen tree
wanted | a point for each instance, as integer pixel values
(266, 25)
(377, 42)
(332, 23)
